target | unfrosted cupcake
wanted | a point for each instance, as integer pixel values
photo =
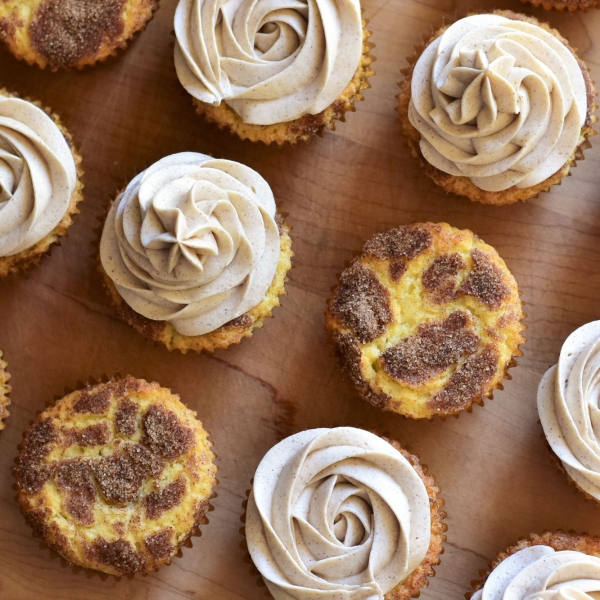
(193, 252)
(39, 182)
(116, 476)
(280, 71)
(560, 5)
(568, 408)
(427, 320)
(343, 513)
(497, 107)
(70, 33)
(553, 565)
(4, 391)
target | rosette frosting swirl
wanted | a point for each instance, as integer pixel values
(499, 101)
(539, 572)
(272, 61)
(568, 404)
(37, 175)
(336, 513)
(192, 241)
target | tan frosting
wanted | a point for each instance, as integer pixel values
(338, 514)
(37, 175)
(541, 573)
(499, 101)
(192, 241)
(568, 398)
(272, 61)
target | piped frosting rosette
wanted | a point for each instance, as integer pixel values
(193, 241)
(539, 572)
(271, 61)
(336, 513)
(37, 175)
(499, 101)
(568, 397)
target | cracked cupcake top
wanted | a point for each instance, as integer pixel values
(116, 476)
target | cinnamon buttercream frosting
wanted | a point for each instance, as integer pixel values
(37, 175)
(271, 61)
(538, 572)
(336, 513)
(193, 241)
(499, 101)
(568, 397)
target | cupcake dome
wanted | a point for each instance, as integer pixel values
(115, 477)
(568, 408)
(70, 33)
(192, 245)
(272, 64)
(342, 513)
(427, 320)
(551, 565)
(39, 188)
(499, 104)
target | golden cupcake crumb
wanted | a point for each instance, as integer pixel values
(304, 128)
(115, 477)
(230, 333)
(70, 33)
(427, 320)
(463, 186)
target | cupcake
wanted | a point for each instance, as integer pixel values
(427, 320)
(570, 5)
(497, 107)
(568, 408)
(116, 477)
(272, 72)
(193, 253)
(64, 34)
(39, 181)
(4, 391)
(343, 513)
(551, 565)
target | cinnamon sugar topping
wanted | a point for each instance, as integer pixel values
(119, 555)
(362, 303)
(468, 382)
(397, 269)
(31, 472)
(486, 281)
(65, 31)
(159, 544)
(440, 277)
(94, 435)
(430, 350)
(165, 434)
(74, 477)
(407, 241)
(122, 474)
(161, 501)
(94, 399)
(126, 417)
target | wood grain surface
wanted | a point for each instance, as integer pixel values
(56, 327)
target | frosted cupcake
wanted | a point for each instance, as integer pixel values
(277, 71)
(343, 513)
(193, 252)
(568, 408)
(39, 182)
(551, 565)
(497, 108)
(63, 34)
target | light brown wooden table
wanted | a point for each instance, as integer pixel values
(56, 326)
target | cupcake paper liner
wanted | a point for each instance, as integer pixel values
(573, 6)
(419, 578)
(413, 145)
(306, 127)
(4, 395)
(23, 261)
(187, 542)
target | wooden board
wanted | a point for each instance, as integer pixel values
(56, 326)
